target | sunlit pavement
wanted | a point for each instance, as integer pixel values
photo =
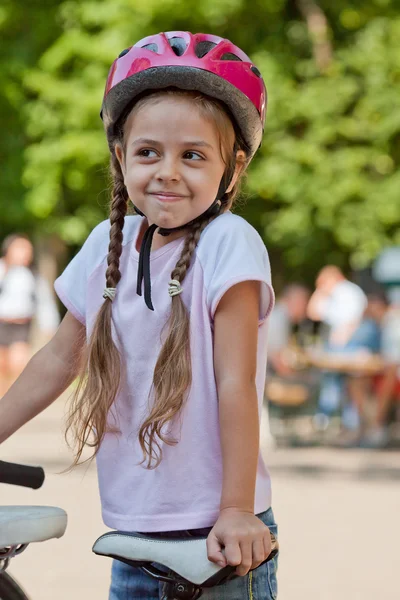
(338, 511)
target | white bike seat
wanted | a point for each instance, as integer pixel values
(26, 524)
(186, 557)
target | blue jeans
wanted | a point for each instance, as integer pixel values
(333, 395)
(128, 583)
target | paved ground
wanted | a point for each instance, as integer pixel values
(338, 512)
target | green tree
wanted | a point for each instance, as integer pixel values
(25, 34)
(324, 185)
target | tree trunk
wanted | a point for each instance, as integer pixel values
(319, 32)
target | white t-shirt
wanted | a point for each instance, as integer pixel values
(184, 491)
(346, 304)
(26, 296)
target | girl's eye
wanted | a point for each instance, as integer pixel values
(147, 153)
(192, 155)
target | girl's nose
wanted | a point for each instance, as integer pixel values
(168, 170)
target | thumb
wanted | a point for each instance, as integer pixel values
(214, 550)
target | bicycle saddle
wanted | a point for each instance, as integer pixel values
(26, 524)
(185, 557)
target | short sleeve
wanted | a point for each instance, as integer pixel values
(232, 252)
(71, 286)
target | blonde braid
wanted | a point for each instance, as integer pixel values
(119, 208)
(173, 373)
(97, 389)
(192, 239)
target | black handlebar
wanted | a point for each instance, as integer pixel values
(21, 475)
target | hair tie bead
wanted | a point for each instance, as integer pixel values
(109, 293)
(174, 288)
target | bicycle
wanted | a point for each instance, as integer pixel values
(23, 525)
(188, 570)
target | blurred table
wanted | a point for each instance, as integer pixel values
(357, 363)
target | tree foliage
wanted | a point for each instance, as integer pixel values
(25, 34)
(324, 186)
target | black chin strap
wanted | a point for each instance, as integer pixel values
(144, 266)
(145, 248)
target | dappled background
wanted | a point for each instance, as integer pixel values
(323, 189)
(324, 186)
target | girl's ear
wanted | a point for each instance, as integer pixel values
(240, 164)
(119, 153)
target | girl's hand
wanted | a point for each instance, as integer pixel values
(243, 536)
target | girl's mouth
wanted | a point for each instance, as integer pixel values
(167, 196)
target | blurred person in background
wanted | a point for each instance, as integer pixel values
(339, 304)
(388, 390)
(388, 384)
(287, 317)
(24, 295)
(364, 363)
(384, 315)
(386, 271)
(288, 383)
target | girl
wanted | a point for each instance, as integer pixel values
(174, 303)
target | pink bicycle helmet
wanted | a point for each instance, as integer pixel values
(206, 63)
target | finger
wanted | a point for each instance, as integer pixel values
(267, 544)
(246, 549)
(233, 554)
(258, 553)
(214, 551)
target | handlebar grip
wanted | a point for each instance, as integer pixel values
(22, 475)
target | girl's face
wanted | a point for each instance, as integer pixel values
(171, 163)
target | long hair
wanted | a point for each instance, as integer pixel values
(102, 369)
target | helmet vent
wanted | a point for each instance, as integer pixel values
(123, 52)
(255, 71)
(178, 45)
(204, 48)
(151, 47)
(230, 56)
